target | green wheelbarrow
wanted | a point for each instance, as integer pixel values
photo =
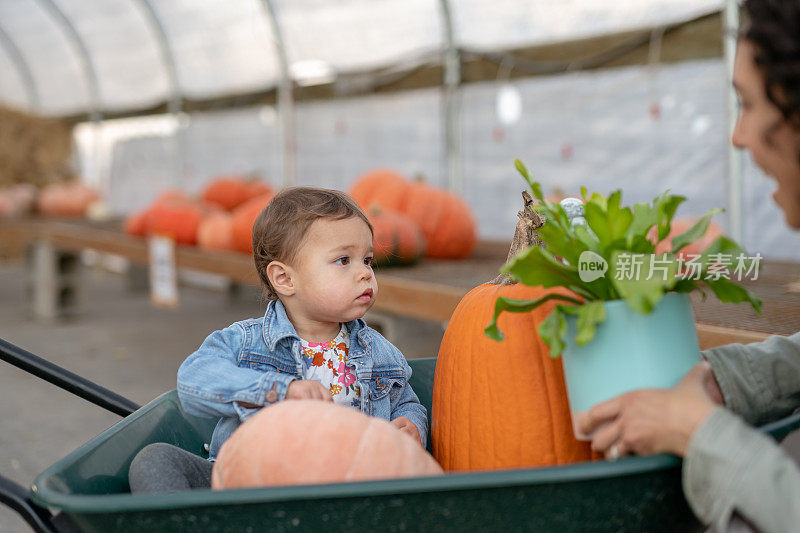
(88, 490)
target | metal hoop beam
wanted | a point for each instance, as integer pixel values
(452, 101)
(22, 67)
(285, 100)
(175, 102)
(93, 87)
(735, 157)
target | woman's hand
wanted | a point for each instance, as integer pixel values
(404, 424)
(308, 389)
(652, 421)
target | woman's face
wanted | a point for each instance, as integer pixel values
(761, 129)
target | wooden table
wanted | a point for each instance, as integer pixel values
(429, 290)
(401, 295)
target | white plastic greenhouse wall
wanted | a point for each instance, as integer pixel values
(582, 128)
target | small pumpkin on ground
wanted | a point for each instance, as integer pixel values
(244, 217)
(298, 442)
(501, 405)
(397, 239)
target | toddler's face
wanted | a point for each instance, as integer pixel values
(333, 271)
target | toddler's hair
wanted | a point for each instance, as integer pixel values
(279, 230)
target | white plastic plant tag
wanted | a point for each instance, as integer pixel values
(163, 274)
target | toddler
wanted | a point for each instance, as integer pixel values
(313, 252)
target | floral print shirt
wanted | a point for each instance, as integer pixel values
(326, 362)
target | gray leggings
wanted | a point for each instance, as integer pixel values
(162, 467)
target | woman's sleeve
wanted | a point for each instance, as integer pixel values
(759, 381)
(730, 466)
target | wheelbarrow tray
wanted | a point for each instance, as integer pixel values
(90, 487)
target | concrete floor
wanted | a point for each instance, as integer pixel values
(119, 340)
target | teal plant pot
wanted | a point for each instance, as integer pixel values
(630, 351)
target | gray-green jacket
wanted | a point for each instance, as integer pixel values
(729, 465)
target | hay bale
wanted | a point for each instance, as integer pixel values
(34, 149)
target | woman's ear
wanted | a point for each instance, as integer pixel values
(280, 277)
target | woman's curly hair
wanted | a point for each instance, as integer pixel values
(773, 26)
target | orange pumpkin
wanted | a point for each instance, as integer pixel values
(230, 192)
(501, 405)
(255, 188)
(298, 442)
(171, 195)
(216, 231)
(136, 223)
(383, 187)
(397, 239)
(445, 219)
(244, 217)
(176, 219)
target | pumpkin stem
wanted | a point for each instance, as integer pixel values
(525, 235)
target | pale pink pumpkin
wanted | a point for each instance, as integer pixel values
(7, 209)
(300, 442)
(16, 200)
(216, 231)
(678, 226)
(66, 199)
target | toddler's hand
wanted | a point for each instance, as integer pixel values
(404, 424)
(308, 389)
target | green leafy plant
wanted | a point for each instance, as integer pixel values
(621, 238)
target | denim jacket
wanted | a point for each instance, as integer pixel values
(254, 361)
